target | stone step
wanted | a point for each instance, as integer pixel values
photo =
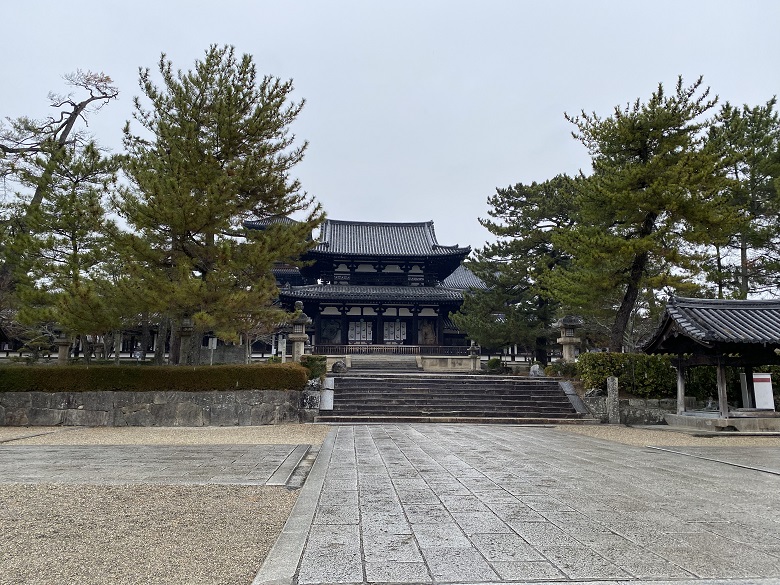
(363, 419)
(448, 397)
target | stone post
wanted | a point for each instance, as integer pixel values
(613, 402)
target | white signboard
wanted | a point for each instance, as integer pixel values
(762, 383)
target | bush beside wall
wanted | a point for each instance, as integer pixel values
(149, 379)
(640, 374)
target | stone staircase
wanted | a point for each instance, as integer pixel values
(388, 397)
(383, 363)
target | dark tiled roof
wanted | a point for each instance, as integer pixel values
(382, 239)
(260, 224)
(464, 279)
(371, 293)
(715, 321)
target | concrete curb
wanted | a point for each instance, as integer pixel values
(282, 561)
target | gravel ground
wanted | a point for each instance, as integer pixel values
(171, 534)
(661, 436)
(141, 534)
(290, 434)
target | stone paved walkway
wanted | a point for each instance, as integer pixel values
(137, 464)
(483, 504)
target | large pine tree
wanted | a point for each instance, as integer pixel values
(215, 149)
(653, 196)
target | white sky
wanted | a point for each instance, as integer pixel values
(416, 110)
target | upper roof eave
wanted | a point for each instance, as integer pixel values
(711, 322)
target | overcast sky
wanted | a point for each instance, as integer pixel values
(415, 110)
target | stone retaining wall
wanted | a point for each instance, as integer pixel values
(168, 408)
(636, 411)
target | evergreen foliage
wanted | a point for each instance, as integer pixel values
(746, 260)
(516, 307)
(653, 196)
(215, 150)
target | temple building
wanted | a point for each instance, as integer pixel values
(380, 284)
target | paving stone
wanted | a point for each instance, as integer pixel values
(480, 523)
(543, 534)
(455, 503)
(427, 514)
(380, 547)
(458, 565)
(440, 536)
(332, 555)
(583, 563)
(527, 570)
(384, 572)
(505, 547)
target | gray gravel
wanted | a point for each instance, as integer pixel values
(137, 534)
(663, 436)
(172, 534)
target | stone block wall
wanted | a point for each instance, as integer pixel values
(168, 408)
(636, 411)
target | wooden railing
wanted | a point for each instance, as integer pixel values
(334, 349)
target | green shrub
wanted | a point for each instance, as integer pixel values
(317, 365)
(561, 370)
(494, 364)
(132, 378)
(650, 376)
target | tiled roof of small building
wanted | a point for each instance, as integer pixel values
(371, 293)
(464, 279)
(710, 321)
(383, 239)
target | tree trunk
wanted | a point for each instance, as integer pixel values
(162, 339)
(175, 350)
(635, 275)
(618, 333)
(145, 335)
(117, 345)
(743, 268)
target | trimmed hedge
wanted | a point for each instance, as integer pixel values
(160, 378)
(650, 376)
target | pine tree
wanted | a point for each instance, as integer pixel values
(747, 259)
(215, 150)
(515, 307)
(653, 198)
(69, 245)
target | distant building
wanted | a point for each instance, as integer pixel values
(378, 283)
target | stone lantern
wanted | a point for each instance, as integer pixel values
(63, 347)
(474, 351)
(568, 339)
(298, 335)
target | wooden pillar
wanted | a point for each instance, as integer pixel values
(722, 397)
(439, 327)
(344, 327)
(379, 334)
(680, 386)
(414, 338)
(751, 389)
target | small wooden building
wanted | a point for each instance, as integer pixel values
(720, 333)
